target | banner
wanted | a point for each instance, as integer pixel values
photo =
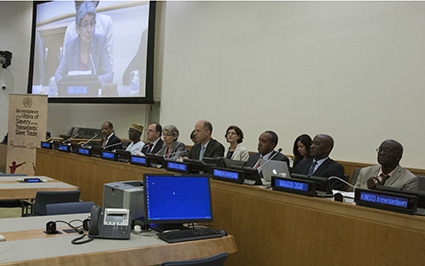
(27, 128)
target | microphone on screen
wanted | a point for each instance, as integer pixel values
(92, 65)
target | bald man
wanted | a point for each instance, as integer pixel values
(320, 164)
(206, 146)
(388, 172)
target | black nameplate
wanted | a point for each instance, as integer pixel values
(229, 175)
(109, 155)
(46, 145)
(294, 185)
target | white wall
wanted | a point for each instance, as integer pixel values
(354, 70)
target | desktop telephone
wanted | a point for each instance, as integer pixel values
(109, 223)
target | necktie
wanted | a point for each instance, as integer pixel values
(104, 143)
(311, 169)
(201, 154)
(258, 163)
(149, 148)
(383, 178)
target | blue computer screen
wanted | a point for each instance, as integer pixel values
(174, 198)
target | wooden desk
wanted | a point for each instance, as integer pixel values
(3, 157)
(26, 244)
(10, 188)
(273, 228)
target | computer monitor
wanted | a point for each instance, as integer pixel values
(174, 200)
(323, 187)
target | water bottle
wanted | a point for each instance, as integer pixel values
(53, 87)
(134, 81)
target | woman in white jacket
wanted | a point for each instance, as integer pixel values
(236, 151)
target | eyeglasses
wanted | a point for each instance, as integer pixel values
(85, 25)
(385, 150)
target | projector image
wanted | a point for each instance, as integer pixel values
(125, 195)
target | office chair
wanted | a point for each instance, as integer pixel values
(421, 185)
(69, 207)
(42, 198)
(353, 179)
(15, 203)
(216, 260)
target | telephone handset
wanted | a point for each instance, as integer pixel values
(109, 223)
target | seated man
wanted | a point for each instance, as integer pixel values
(134, 133)
(205, 146)
(389, 172)
(110, 141)
(153, 135)
(320, 164)
(266, 144)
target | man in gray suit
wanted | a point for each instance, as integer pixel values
(389, 173)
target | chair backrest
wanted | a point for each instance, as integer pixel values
(353, 179)
(69, 207)
(42, 198)
(1, 174)
(216, 260)
(421, 186)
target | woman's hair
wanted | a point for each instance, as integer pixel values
(173, 130)
(85, 8)
(238, 132)
(306, 140)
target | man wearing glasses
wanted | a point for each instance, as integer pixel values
(389, 173)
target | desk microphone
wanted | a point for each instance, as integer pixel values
(69, 139)
(342, 180)
(269, 159)
(172, 153)
(85, 143)
(112, 145)
(92, 64)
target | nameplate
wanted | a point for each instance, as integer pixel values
(109, 155)
(138, 160)
(46, 145)
(294, 185)
(84, 151)
(64, 148)
(225, 174)
(386, 200)
(177, 166)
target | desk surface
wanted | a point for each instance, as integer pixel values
(10, 188)
(28, 244)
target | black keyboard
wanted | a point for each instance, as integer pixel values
(190, 234)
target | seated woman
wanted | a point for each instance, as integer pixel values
(234, 136)
(172, 149)
(87, 51)
(301, 148)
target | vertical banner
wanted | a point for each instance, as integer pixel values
(27, 128)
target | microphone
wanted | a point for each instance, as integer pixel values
(342, 180)
(269, 159)
(85, 143)
(92, 64)
(112, 145)
(172, 153)
(69, 139)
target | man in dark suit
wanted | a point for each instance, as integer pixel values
(205, 146)
(110, 141)
(266, 144)
(320, 164)
(153, 135)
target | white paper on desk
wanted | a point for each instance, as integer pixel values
(79, 72)
(345, 194)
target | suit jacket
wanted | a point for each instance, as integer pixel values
(156, 148)
(214, 150)
(113, 140)
(177, 150)
(240, 153)
(101, 59)
(327, 169)
(401, 178)
(253, 158)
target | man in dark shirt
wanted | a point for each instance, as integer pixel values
(320, 164)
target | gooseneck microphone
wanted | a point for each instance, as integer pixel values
(92, 64)
(112, 145)
(342, 180)
(69, 139)
(85, 143)
(269, 159)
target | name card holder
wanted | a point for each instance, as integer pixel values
(46, 145)
(384, 200)
(176, 166)
(229, 175)
(64, 147)
(294, 185)
(109, 155)
(85, 151)
(139, 160)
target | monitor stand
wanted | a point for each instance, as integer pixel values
(166, 227)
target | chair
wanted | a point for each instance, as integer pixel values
(216, 260)
(353, 179)
(69, 207)
(421, 185)
(42, 198)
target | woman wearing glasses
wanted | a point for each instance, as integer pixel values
(235, 151)
(87, 51)
(172, 149)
